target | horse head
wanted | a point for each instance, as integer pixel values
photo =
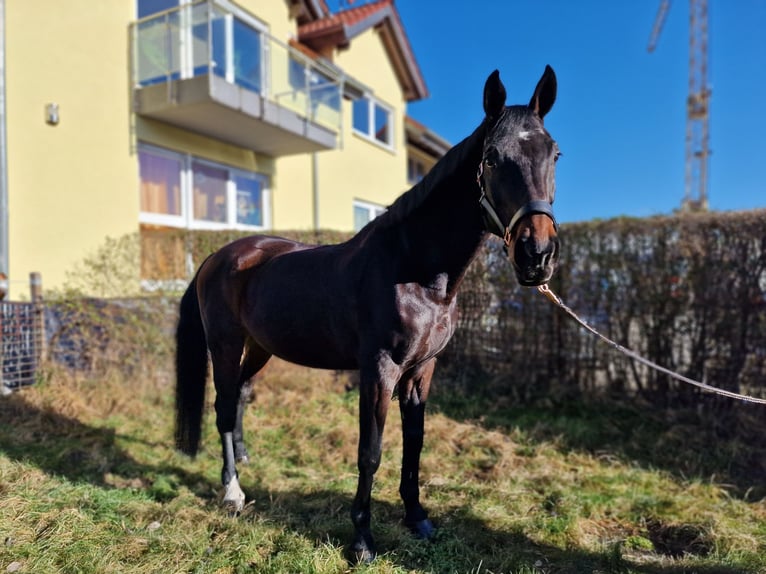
(516, 176)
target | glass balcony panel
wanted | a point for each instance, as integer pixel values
(202, 22)
(158, 58)
(247, 56)
(205, 38)
(297, 84)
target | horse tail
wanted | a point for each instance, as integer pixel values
(191, 372)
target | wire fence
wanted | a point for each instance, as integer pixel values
(686, 292)
(21, 343)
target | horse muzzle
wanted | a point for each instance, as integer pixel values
(535, 251)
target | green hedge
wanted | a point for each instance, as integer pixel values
(687, 291)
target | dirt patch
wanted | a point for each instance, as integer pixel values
(678, 540)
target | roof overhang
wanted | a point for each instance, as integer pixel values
(338, 30)
(424, 139)
(305, 11)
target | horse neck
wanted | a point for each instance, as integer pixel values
(454, 232)
(445, 233)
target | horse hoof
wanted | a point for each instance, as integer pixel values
(243, 459)
(423, 529)
(232, 508)
(363, 556)
(234, 498)
(363, 551)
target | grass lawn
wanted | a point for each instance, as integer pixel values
(89, 482)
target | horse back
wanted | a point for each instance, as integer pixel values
(223, 277)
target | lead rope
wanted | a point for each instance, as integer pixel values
(545, 290)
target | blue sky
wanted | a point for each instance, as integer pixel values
(620, 116)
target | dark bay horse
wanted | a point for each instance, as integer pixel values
(383, 302)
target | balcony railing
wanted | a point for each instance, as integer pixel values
(212, 55)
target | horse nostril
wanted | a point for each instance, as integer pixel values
(531, 247)
(544, 252)
(535, 248)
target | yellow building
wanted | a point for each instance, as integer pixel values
(128, 115)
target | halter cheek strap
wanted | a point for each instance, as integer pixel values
(492, 219)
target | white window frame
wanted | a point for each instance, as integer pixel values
(374, 210)
(369, 135)
(186, 220)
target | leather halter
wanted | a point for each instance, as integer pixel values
(492, 219)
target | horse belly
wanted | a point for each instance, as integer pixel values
(302, 326)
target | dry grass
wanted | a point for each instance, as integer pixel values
(89, 482)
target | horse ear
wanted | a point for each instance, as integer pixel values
(494, 95)
(545, 93)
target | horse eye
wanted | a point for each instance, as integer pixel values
(490, 158)
(557, 156)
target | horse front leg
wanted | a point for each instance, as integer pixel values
(375, 388)
(413, 393)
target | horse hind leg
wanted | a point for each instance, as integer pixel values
(226, 354)
(413, 393)
(254, 359)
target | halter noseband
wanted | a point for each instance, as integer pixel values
(492, 219)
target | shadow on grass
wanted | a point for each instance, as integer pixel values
(66, 447)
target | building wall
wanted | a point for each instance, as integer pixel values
(365, 170)
(73, 184)
(275, 14)
(360, 169)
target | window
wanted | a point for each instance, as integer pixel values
(373, 120)
(416, 170)
(149, 7)
(160, 183)
(179, 190)
(361, 118)
(209, 192)
(365, 212)
(249, 199)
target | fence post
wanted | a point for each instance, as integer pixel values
(38, 313)
(3, 291)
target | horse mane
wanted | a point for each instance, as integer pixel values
(446, 169)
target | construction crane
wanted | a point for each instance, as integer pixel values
(697, 102)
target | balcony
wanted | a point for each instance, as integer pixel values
(211, 68)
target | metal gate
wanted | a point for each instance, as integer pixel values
(21, 342)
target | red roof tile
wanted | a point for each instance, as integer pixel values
(340, 28)
(348, 17)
